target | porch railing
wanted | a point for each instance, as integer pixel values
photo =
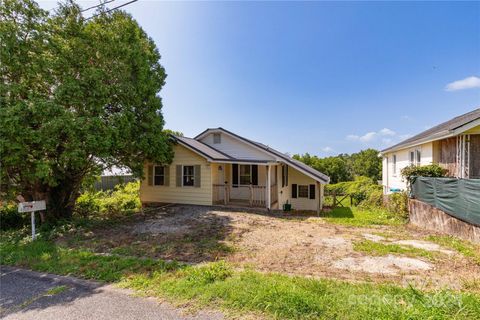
(254, 196)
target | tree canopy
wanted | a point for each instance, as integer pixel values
(77, 96)
(345, 167)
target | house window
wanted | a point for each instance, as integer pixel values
(188, 175)
(412, 157)
(415, 157)
(217, 138)
(394, 164)
(159, 176)
(245, 174)
(302, 191)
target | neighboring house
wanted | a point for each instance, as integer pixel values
(218, 167)
(454, 145)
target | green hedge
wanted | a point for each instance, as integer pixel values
(368, 194)
(359, 189)
(124, 199)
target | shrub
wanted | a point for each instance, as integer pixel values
(373, 200)
(359, 189)
(431, 170)
(124, 199)
(10, 218)
(87, 204)
(397, 204)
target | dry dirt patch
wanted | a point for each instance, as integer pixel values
(279, 243)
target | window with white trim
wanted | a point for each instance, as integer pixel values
(415, 157)
(159, 176)
(188, 176)
(245, 174)
(302, 191)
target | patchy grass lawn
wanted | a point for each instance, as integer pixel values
(356, 216)
(218, 284)
(464, 247)
(272, 265)
(375, 248)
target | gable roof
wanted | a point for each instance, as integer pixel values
(300, 166)
(202, 148)
(441, 131)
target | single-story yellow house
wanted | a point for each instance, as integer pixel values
(454, 145)
(219, 167)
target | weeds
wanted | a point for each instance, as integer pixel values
(382, 249)
(464, 247)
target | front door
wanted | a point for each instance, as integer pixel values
(221, 174)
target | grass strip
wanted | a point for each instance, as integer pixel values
(464, 247)
(218, 285)
(356, 216)
(382, 249)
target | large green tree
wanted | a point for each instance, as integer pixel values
(367, 163)
(345, 167)
(77, 96)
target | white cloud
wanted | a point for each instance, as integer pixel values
(386, 132)
(382, 137)
(467, 83)
(327, 149)
(369, 136)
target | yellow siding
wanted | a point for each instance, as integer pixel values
(474, 130)
(185, 195)
(296, 177)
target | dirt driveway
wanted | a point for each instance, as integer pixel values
(306, 246)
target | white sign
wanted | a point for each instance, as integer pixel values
(31, 206)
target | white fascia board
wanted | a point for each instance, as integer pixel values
(466, 127)
(244, 162)
(308, 174)
(271, 154)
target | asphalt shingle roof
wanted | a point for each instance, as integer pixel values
(439, 130)
(295, 163)
(203, 148)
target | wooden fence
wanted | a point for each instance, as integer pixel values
(109, 182)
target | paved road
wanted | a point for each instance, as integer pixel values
(32, 295)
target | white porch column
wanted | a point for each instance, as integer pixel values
(319, 206)
(269, 196)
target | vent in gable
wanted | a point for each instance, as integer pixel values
(217, 138)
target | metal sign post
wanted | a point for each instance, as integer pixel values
(32, 207)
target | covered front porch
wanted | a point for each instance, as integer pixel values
(459, 155)
(245, 184)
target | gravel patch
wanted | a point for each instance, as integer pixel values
(334, 242)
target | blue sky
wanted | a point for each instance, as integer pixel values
(317, 77)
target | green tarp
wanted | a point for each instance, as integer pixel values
(458, 197)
